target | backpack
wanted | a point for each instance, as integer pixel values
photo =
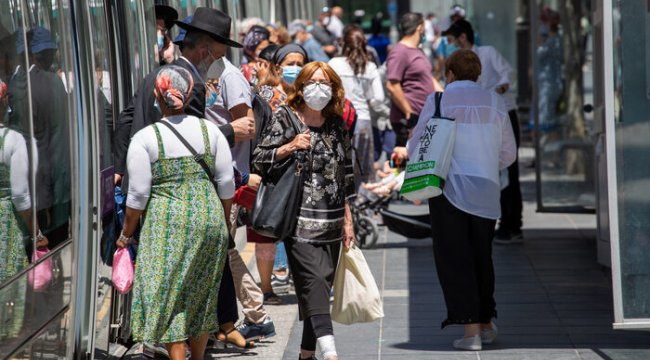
(349, 116)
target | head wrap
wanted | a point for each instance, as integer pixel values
(174, 85)
(287, 49)
(253, 38)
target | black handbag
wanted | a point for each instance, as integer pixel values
(277, 204)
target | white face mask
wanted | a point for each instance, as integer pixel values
(317, 96)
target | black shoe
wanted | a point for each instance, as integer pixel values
(507, 237)
(257, 331)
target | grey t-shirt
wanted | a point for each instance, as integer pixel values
(233, 90)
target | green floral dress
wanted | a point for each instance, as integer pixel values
(182, 252)
(12, 257)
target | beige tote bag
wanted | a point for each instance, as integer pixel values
(356, 296)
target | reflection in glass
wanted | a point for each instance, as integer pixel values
(564, 83)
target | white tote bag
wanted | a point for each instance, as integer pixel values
(426, 172)
(356, 296)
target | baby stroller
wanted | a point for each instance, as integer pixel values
(368, 204)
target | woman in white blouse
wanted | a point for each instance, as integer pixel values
(464, 216)
(185, 234)
(363, 88)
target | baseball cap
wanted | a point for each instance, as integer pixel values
(41, 40)
(295, 27)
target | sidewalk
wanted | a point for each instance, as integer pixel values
(554, 301)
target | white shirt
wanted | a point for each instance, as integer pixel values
(485, 144)
(360, 89)
(14, 155)
(143, 151)
(233, 89)
(495, 71)
(335, 26)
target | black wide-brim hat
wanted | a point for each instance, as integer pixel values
(168, 14)
(212, 22)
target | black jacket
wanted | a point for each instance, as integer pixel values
(141, 112)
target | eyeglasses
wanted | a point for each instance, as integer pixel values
(319, 83)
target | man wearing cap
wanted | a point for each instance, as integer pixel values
(206, 40)
(50, 130)
(165, 17)
(495, 76)
(298, 31)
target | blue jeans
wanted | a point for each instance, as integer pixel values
(281, 261)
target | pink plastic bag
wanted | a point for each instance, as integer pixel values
(41, 275)
(122, 271)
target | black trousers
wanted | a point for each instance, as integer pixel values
(462, 249)
(227, 300)
(511, 206)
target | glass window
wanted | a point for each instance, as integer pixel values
(631, 20)
(563, 81)
(35, 169)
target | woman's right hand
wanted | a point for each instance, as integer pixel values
(301, 142)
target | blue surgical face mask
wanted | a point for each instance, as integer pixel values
(161, 41)
(157, 106)
(211, 99)
(451, 48)
(290, 73)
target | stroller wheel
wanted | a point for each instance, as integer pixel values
(366, 231)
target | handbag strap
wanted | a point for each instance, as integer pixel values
(294, 119)
(197, 157)
(438, 101)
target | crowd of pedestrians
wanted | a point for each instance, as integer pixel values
(331, 103)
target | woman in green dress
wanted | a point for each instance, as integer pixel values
(16, 224)
(184, 235)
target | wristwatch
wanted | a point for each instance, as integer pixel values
(39, 236)
(126, 240)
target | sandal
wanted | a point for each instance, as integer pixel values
(222, 336)
(270, 298)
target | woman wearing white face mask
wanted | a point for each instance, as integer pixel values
(323, 148)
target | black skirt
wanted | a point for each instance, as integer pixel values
(312, 267)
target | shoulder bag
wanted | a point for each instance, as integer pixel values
(277, 204)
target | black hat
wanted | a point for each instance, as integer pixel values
(212, 22)
(167, 13)
(460, 27)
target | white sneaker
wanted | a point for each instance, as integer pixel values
(468, 343)
(489, 335)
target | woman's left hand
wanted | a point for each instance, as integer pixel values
(348, 236)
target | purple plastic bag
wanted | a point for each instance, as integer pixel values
(41, 275)
(122, 271)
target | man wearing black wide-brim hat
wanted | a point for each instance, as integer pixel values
(206, 40)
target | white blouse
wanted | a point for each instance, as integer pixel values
(485, 144)
(14, 155)
(143, 151)
(363, 90)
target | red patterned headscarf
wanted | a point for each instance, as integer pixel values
(174, 85)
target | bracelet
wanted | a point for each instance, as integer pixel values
(123, 238)
(39, 236)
